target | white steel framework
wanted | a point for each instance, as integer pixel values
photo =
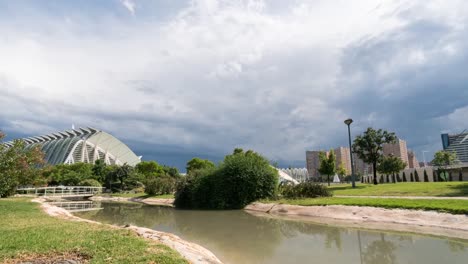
(82, 145)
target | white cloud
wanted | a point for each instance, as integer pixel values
(130, 5)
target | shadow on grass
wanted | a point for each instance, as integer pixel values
(458, 190)
(348, 187)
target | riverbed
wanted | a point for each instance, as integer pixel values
(238, 237)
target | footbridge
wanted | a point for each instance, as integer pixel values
(61, 191)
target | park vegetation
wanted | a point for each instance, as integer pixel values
(369, 146)
(241, 178)
(327, 164)
(28, 235)
(23, 166)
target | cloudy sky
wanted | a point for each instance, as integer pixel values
(177, 79)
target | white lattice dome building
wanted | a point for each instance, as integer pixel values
(82, 145)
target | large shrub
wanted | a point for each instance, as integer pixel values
(90, 182)
(242, 178)
(304, 190)
(160, 185)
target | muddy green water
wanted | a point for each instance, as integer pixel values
(238, 237)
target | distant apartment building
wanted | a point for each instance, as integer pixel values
(457, 143)
(412, 161)
(397, 149)
(343, 157)
(360, 167)
(313, 162)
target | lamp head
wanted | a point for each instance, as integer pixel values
(348, 121)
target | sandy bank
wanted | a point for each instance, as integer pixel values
(192, 252)
(151, 201)
(426, 222)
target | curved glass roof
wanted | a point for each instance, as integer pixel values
(82, 145)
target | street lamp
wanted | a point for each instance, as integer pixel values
(348, 123)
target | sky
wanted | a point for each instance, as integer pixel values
(179, 79)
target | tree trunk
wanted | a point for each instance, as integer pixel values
(394, 178)
(374, 167)
(328, 180)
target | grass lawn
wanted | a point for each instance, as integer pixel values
(449, 206)
(140, 195)
(26, 232)
(441, 189)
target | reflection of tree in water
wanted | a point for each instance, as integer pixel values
(130, 213)
(456, 246)
(380, 252)
(244, 238)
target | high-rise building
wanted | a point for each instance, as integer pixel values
(360, 167)
(342, 157)
(412, 161)
(458, 144)
(313, 162)
(397, 149)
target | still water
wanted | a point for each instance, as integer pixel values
(238, 237)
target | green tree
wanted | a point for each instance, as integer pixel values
(99, 171)
(369, 146)
(426, 178)
(171, 171)
(18, 165)
(442, 160)
(341, 171)
(327, 164)
(149, 168)
(391, 165)
(123, 173)
(199, 164)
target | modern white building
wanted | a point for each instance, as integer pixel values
(457, 143)
(82, 145)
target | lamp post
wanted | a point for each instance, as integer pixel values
(424, 157)
(348, 123)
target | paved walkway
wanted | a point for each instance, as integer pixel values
(405, 197)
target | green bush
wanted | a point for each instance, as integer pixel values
(242, 178)
(90, 182)
(160, 185)
(304, 190)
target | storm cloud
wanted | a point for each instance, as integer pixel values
(177, 79)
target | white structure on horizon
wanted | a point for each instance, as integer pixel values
(81, 145)
(299, 174)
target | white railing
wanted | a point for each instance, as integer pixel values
(61, 191)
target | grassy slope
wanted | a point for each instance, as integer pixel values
(447, 189)
(26, 230)
(449, 206)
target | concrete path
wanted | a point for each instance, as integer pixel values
(405, 197)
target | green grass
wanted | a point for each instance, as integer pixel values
(140, 195)
(438, 189)
(27, 231)
(449, 206)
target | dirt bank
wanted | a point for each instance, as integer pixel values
(192, 252)
(151, 201)
(426, 222)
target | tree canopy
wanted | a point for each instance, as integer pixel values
(391, 165)
(199, 164)
(18, 165)
(369, 146)
(327, 164)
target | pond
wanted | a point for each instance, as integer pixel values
(239, 237)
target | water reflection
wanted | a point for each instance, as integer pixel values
(239, 237)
